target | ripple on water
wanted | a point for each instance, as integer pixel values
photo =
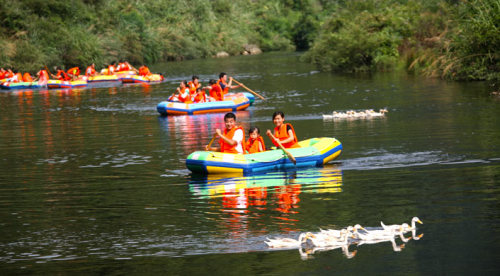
(382, 159)
(116, 160)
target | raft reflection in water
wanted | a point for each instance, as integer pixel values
(274, 195)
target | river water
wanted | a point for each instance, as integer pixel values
(93, 181)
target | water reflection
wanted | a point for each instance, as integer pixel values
(276, 193)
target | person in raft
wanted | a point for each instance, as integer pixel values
(61, 75)
(193, 85)
(90, 71)
(42, 77)
(214, 91)
(255, 142)
(200, 96)
(181, 94)
(283, 132)
(232, 139)
(222, 82)
(74, 73)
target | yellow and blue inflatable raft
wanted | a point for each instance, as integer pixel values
(313, 152)
(231, 102)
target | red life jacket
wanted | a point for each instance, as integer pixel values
(227, 148)
(282, 134)
(252, 145)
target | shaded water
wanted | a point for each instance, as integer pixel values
(94, 181)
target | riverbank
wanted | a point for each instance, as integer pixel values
(451, 40)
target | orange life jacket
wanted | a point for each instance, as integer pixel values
(227, 148)
(184, 98)
(200, 97)
(90, 71)
(252, 145)
(282, 134)
(75, 71)
(144, 71)
(216, 92)
(9, 74)
(43, 76)
(111, 70)
(226, 88)
(17, 78)
(193, 87)
(27, 77)
(2, 74)
(61, 75)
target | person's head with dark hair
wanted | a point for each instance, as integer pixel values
(221, 75)
(194, 77)
(230, 120)
(229, 115)
(212, 82)
(278, 118)
(253, 129)
(278, 113)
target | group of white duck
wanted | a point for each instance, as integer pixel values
(351, 114)
(309, 243)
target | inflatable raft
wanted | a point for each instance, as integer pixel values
(57, 84)
(155, 78)
(19, 85)
(103, 78)
(313, 152)
(231, 102)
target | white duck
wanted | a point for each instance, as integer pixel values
(380, 113)
(403, 227)
(287, 242)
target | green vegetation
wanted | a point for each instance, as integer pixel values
(457, 40)
(454, 39)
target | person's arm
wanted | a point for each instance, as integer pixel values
(261, 147)
(290, 137)
(229, 141)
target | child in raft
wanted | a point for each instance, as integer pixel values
(200, 96)
(232, 139)
(283, 132)
(255, 142)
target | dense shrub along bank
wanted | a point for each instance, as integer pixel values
(450, 39)
(454, 39)
(35, 33)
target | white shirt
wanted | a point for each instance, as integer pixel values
(238, 137)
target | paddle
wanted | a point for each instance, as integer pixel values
(290, 156)
(249, 90)
(210, 143)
